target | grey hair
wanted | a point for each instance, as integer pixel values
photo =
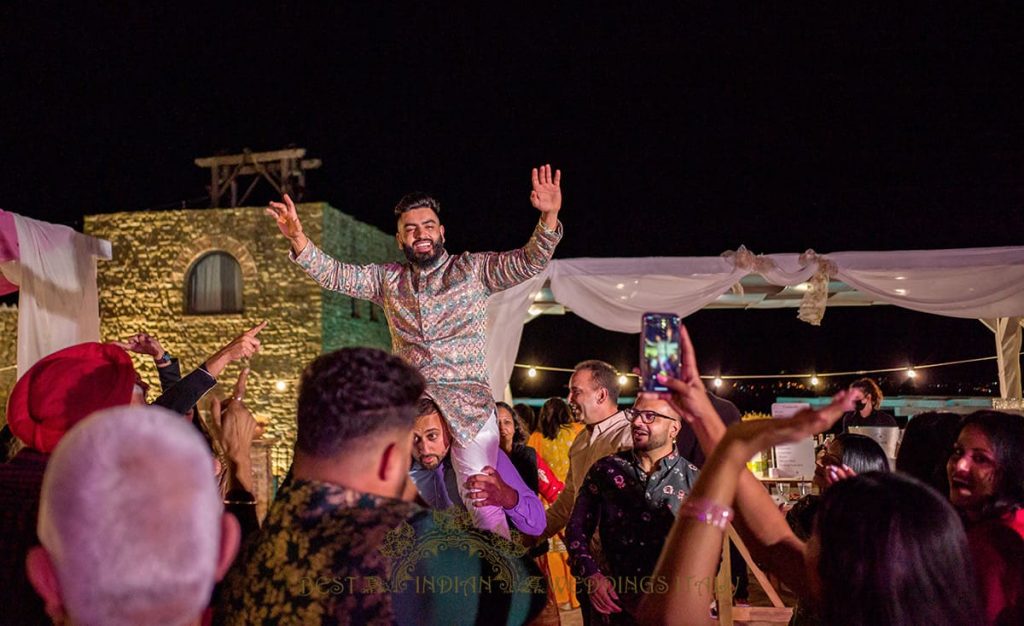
(130, 516)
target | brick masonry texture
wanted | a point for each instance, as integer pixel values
(144, 287)
(8, 353)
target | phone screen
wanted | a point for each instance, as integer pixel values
(659, 349)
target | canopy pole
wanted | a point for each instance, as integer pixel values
(1008, 343)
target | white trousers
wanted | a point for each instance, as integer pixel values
(471, 459)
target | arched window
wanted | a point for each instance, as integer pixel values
(214, 285)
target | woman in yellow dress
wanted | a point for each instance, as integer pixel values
(555, 433)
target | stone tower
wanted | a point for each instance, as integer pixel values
(145, 288)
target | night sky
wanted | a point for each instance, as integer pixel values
(681, 131)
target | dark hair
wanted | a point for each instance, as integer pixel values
(528, 415)
(553, 415)
(893, 552)
(870, 388)
(604, 375)
(924, 450)
(519, 428)
(862, 454)
(426, 405)
(1006, 433)
(416, 200)
(354, 393)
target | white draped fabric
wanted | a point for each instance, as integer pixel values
(56, 277)
(976, 283)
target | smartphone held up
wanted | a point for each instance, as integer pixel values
(659, 350)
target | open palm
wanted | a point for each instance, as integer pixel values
(547, 191)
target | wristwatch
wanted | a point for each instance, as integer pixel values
(164, 360)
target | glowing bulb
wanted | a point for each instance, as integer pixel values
(717, 382)
(281, 385)
(532, 372)
(814, 381)
(911, 373)
(622, 379)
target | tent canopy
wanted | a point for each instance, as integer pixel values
(612, 293)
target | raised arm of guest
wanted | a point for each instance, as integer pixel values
(775, 547)
(237, 429)
(167, 366)
(695, 543)
(189, 390)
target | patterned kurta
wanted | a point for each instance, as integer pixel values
(330, 555)
(438, 315)
(633, 510)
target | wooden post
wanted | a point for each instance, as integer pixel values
(280, 168)
(723, 585)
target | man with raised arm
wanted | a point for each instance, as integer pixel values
(436, 307)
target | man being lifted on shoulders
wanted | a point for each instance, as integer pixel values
(436, 307)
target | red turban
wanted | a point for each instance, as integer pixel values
(66, 386)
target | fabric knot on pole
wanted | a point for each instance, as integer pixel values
(812, 305)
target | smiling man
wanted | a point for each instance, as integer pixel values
(436, 306)
(631, 499)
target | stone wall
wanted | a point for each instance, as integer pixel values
(8, 353)
(143, 289)
(347, 321)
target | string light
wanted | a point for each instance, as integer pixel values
(281, 385)
(911, 372)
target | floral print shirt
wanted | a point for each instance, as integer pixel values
(330, 555)
(632, 510)
(437, 315)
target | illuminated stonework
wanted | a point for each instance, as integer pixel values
(8, 353)
(143, 289)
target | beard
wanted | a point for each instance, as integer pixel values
(424, 258)
(430, 461)
(651, 442)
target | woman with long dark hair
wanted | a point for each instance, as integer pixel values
(986, 486)
(925, 447)
(844, 457)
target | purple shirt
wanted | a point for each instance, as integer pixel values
(435, 487)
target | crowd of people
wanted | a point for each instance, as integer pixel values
(414, 498)
(119, 511)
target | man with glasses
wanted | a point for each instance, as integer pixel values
(631, 498)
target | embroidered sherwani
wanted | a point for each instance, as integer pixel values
(438, 315)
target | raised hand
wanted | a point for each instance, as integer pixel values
(142, 344)
(761, 434)
(241, 347)
(288, 222)
(688, 395)
(235, 427)
(546, 196)
(836, 473)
